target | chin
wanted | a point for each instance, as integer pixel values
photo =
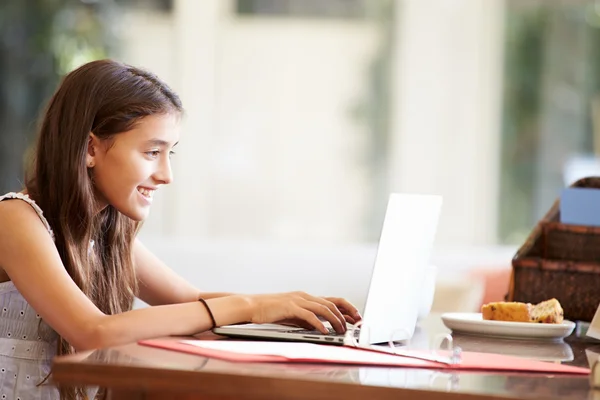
(138, 216)
(135, 215)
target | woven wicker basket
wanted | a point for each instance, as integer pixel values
(560, 261)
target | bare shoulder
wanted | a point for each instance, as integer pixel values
(20, 228)
(16, 210)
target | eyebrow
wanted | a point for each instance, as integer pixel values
(159, 143)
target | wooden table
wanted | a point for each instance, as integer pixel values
(138, 372)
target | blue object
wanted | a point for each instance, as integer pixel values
(580, 206)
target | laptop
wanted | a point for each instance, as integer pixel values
(394, 295)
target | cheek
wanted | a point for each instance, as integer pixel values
(139, 171)
(124, 175)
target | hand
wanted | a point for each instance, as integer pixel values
(302, 309)
(350, 313)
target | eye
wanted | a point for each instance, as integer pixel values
(171, 153)
(153, 153)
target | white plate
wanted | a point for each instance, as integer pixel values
(473, 323)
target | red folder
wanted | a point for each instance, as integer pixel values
(289, 352)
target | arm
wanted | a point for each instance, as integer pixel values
(29, 257)
(158, 284)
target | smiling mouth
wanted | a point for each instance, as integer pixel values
(147, 193)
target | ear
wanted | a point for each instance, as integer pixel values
(90, 158)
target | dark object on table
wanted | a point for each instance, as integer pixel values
(560, 261)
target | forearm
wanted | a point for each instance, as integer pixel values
(167, 320)
(178, 297)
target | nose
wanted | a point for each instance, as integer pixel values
(164, 174)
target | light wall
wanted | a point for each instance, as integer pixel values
(447, 111)
(284, 144)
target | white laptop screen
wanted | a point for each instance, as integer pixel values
(403, 254)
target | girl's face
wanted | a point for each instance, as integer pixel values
(130, 167)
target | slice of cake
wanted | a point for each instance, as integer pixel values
(507, 311)
(547, 312)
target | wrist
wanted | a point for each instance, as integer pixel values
(232, 309)
(209, 311)
(246, 307)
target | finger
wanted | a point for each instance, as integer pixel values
(349, 319)
(311, 318)
(322, 310)
(333, 308)
(346, 306)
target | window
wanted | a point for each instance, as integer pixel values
(551, 107)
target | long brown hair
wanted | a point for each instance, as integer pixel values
(106, 98)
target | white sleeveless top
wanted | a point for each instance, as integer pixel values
(27, 343)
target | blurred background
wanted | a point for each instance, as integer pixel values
(303, 115)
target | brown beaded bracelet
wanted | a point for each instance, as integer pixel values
(212, 318)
